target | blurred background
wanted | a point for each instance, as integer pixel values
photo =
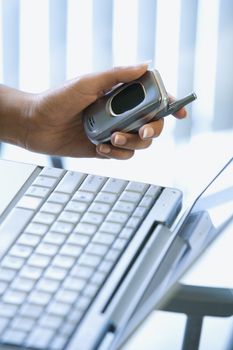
(45, 42)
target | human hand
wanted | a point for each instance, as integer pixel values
(53, 119)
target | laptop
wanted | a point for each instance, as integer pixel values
(84, 258)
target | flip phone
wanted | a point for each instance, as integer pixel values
(129, 106)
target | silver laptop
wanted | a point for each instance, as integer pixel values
(82, 255)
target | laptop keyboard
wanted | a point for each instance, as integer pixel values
(71, 230)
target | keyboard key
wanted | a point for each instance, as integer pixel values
(104, 238)
(71, 250)
(140, 212)
(133, 222)
(52, 172)
(114, 185)
(14, 337)
(112, 254)
(98, 278)
(85, 228)
(70, 182)
(39, 260)
(82, 302)
(90, 260)
(30, 272)
(3, 323)
(92, 218)
(57, 308)
(84, 272)
(7, 275)
(154, 191)
(53, 208)
(28, 239)
(12, 262)
(82, 196)
(105, 266)
(120, 243)
(67, 296)
(90, 290)
(75, 315)
(63, 261)
(37, 191)
(129, 196)
(47, 249)
(111, 227)
(47, 285)
(69, 216)
(7, 310)
(21, 251)
(31, 310)
(125, 207)
(29, 202)
(55, 273)
(73, 283)
(117, 216)
(12, 226)
(127, 233)
(93, 183)
(100, 208)
(78, 239)
(23, 284)
(39, 298)
(44, 218)
(106, 197)
(147, 201)
(14, 297)
(97, 249)
(36, 229)
(22, 323)
(3, 287)
(76, 206)
(137, 187)
(51, 321)
(40, 338)
(58, 342)
(60, 198)
(54, 238)
(62, 227)
(45, 181)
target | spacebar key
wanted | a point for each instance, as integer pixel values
(12, 226)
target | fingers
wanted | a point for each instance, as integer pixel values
(181, 113)
(109, 151)
(100, 82)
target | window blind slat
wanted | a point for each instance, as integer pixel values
(57, 41)
(10, 31)
(102, 34)
(224, 75)
(146, 30)
(186, 63)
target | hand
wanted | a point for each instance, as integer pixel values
(51, 122)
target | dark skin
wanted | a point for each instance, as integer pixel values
(51, 122)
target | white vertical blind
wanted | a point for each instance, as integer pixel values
(79, 37)
(125, 22)
(44, 42)
(205, 64)
(34, 45)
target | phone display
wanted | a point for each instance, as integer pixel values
(129, 106)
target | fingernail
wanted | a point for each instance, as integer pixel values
(147, 133)
(120, 140)
(145, 63)
(104, 148)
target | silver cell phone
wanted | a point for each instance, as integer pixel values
(129, 106)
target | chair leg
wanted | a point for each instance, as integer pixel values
(192, 334)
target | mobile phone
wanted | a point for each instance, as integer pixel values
(129, 106)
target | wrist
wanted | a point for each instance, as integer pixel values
(15, 107)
